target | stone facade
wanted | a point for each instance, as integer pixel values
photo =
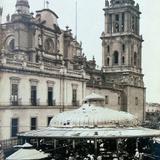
(43, 70)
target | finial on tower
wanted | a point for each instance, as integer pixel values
(22, 6)
(106, 3)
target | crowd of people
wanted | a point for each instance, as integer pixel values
(125, 149)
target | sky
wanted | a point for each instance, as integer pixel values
(91, 25)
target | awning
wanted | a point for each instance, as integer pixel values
(51, 132)
(28, 154)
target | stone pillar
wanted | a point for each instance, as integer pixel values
(107, 23)
(55, 143)
(126, 22)
(120, 22)
(113, 23)
(95, 147)
(1, 11)
(74, 144)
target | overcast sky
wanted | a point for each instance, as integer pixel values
(91, 25)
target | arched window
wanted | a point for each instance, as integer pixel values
(115, 57)
(11, 45)
(107, 61)
(135, 58)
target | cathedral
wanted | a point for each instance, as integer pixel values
(43, 70)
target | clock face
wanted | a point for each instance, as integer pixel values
(49, 45)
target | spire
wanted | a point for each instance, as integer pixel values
(22, 6)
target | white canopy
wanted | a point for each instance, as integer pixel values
(92, 121)
(93, 96)
(92, 116)
(27, 154)
(61, 133)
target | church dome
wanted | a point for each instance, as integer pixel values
(91, 115)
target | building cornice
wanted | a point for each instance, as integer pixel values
(42, 70)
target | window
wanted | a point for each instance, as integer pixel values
(14, 127)
(14, 94)
(119, 100)
(116, 27)
(136, 101)
(117, 2)
(51, 101)
(133, 23)
(123, 21)
(33, 123)
(50, 96)
(106, 100)
(110, 24)
(117, 17)
(123, 60)
(135, 59)
(115, 57)
(14, 91)
(108, 60)
(74, 95)
(49, 120)
(11, 45)
(33, 95)
(123, 47)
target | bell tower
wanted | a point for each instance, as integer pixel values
(121, 40)
(22, 6)
(122, 51)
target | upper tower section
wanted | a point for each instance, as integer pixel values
(22, 6)
(121, 39)
(121, 16)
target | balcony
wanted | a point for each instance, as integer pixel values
(34, 102)
(14, 101)
(51, 102)
(75, 103)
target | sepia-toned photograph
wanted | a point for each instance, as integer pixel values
(79, 80)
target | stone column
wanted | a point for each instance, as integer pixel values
(113, 23)
(55, 143)
(120, 22)
(1, 11)
(126, 22)
(74, 144)
(95, 147)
